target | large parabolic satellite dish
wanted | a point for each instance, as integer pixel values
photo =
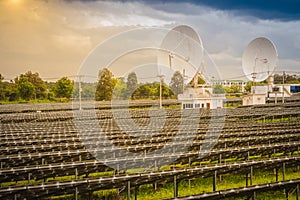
(259, 59)
(182, 50)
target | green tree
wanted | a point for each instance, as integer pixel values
(132, 84)
(2, 88)
(25, 88)
(166, 91)
(218, 89)
(87, 90)
(176, 83)
(105, 85)
(63, 88)
(234, 89)
(248, 86)
(120, 89)
(143, 91)
(289, 79)
(37, 82)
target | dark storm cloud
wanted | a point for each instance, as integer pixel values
(282, 10)
(275, 10)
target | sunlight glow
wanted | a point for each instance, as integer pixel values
(15, 1)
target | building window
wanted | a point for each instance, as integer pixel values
(295, 89)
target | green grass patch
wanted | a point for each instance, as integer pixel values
(227, 181)
(274, 120)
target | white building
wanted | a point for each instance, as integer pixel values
(200, 97)
(229, 83)
(254, 99)
(260, 93)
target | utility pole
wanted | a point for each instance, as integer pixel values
(160, 91)
(183, 78)
(170, 60)
(283, 75)
(79, 90)
(254, 85)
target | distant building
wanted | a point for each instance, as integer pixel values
(229, 83)
(261, 93)
(254, 99)
(200, 96)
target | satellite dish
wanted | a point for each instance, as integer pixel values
(259, 59)
(182, 50)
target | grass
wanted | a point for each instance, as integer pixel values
(274, 120)
(232, 105)
(62, 100)
(185, 188)
(202, 185)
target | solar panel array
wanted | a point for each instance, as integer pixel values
(43, 145)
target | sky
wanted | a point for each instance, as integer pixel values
(54, 37)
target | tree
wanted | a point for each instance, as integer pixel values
(63, 88)
(289, 79)
(120, 89)
(132, 84)
(26, 88)
(143, 91)
(218, 89)
(2, 88)
(248, 86)
(38, 84)
(176, 83)
(105, 85)
(234, 89)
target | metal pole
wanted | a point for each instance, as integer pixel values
(160, 92)
(170, 60)
(128, 190)
(28, 179)
(79, 91)
(251, 174)
(215, 181)
(175, 187)
(247, 174)
(76, 193)
(283, 86)
(283, 171)
(135, 192)
(276, 174)
(297, 192)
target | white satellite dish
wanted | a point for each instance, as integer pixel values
(182, 50)
(259, 59)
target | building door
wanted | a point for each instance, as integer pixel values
(208, 105)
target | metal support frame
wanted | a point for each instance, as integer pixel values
(128, 190)
(136, 190)
(283, 171)
(247, 181)
(251, 175)
(297, 192)
(76, 193)
(215, 181)
(175, 187)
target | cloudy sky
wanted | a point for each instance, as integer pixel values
(54, 37)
